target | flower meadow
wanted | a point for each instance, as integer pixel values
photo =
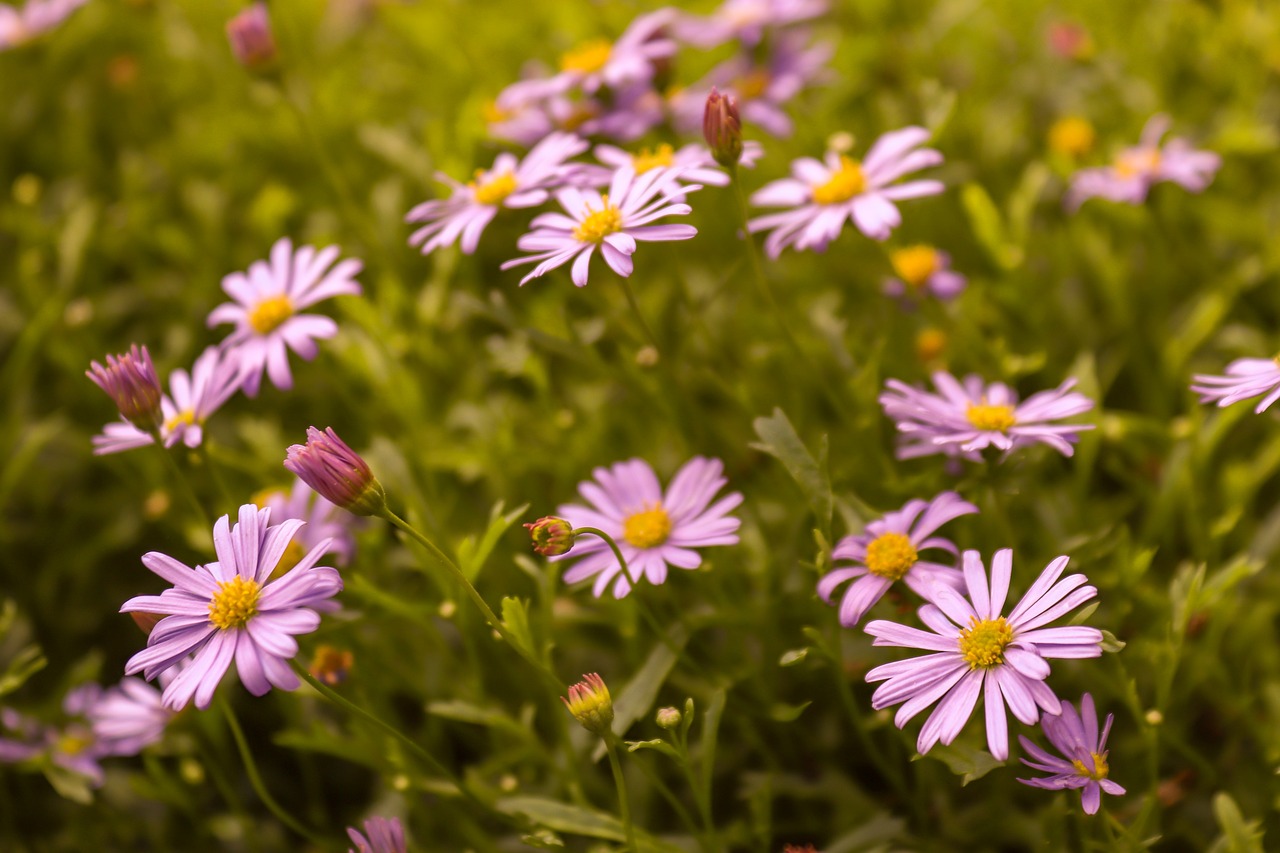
(758, 425)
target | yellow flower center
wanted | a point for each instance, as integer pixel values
(494, 113)
(1071, 136)
(891, 555)
(646, 159)
(183, 418)
(751, 85)
(843, 184)
(73, 744)
(293, 553)
(1139, 162)
(588, 57)
(492, 189)
(990, 418)
(235, 603)
(599, 223)
(914, 264)
(982, 644)
(268, 314)
(648, 528)
(266, 496)
(1099, 770)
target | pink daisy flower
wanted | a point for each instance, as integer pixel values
(653, 530)
(381, 835)
(889, 550)
(923, 269)
(745, 20)
(129, 717)
(511, 183)
(966, 418)
(631, 59)
(71, 746)
(232, 608)
(1136, 169)
(36, 17)
(1084, 765)
(694, 162)
(612, 222)
(976, 650)
(267, 301)
(1246, 377)
(823, 195)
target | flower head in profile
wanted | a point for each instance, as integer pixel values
(233, 609)
(889, 551)
(1245, 378)
(1137, 169)
(590, 704)
(327, 464)
(693, 162)
(966, 417)
(129, 716)
(748, 21)
(977, 650)
(265, 312)
(822, 195)
(381, 835)
(923, 269)
(1083, 751)
(511, 183)
(193, 398)
(653, 529)
(324, 521)
(612, 222)
(130, 381)
(19, 25)
(252, 41)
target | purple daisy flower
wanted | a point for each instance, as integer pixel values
(232, 608)
(694, 162)
(71, 746)
(1136, 169)
(1075, 735)
(129, 716)
(511, 183)
(325, 522)
(823, 195)
(977, 650)
(888, 551)
(745, 20)
(612, 222)
(267, 299)
(381, 835)
(963, 419)
(214, 378)
(653, 530)
(633, 58)
(923, 269)
(36, 17)
(1246, 378)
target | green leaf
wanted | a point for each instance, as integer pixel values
(1110, 643)
(515, 618)
(788, 713)
(466, 712)
(578, 820)
(778, 438)
(1239, 835)
(659, 745)
(793, 657)
(69, 784)
(472, 555)
(967, 762)
(988, 226)
(543, 839)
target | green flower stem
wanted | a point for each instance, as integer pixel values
(613, 546)
(624, 808)
(215, 473)
(635, 309)
(263, 794)
(186, 488)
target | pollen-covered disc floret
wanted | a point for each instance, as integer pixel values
(653, 529)
(233, 609)
(1082, 762)
(975, 649)
(888, 550)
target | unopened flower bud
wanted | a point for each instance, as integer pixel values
(722, 128)
(551, 536)
(337, 473)
(252, 41)
(668, 718)
(130, 380)
(590, 704)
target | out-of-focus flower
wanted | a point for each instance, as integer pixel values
(963, 419)
(36, 17)
(923, 269)
(694, 163)
(324, 521)
(128, 717)
(336, 472)
(668, 718)
(722, 128)
(931, 343)
(252, 41)
(519, 113)
(652, 529)
(230, 609)
(823, 195)
(511, 183)
(267, 301)
(214, 378)
(976, 650)
(889, 550)
(1129, 179)
(331, 665)
(633, 58)
(745, 20)
(1246, 378)
(1071, 136)
(590, 704)
(612, 222)
(1075, 736)
(551, 536)
(130, 381)
(1070, 41)
(381, 835)
(72, 746)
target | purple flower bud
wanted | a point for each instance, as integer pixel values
(722, 128)
(252, 41)
(130, 380)
(337, 473)
(551, 536)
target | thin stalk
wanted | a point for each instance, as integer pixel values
(635, 309)
(757, 266)
(613, 546)
(215, 473)
(186, 488)
(620, 782)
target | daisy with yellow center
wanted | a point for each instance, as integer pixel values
(844, 183)
(488, 188)
(923, 270)
(1130, 177)
(1082, 762)
(587, 58)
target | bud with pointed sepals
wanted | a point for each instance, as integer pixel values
(590, 704)
(551, 536)
(130, 380)
(337, 473)
(252, 41)
(722, 128)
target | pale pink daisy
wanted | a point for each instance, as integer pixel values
(512, 183)
(888, 550)
(965, 418)
(233, 608)
(694, 162)
(653, 529)
(977, 650)
(748, 21)
(612, 222)
(633, 58)
(72, 745)
(823, 195)
(1136, 169)
(129, 716)
(19, 25)
(923, 269)
(267, 301)
(1083, 764)
(1246, 378)
(381, 835)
